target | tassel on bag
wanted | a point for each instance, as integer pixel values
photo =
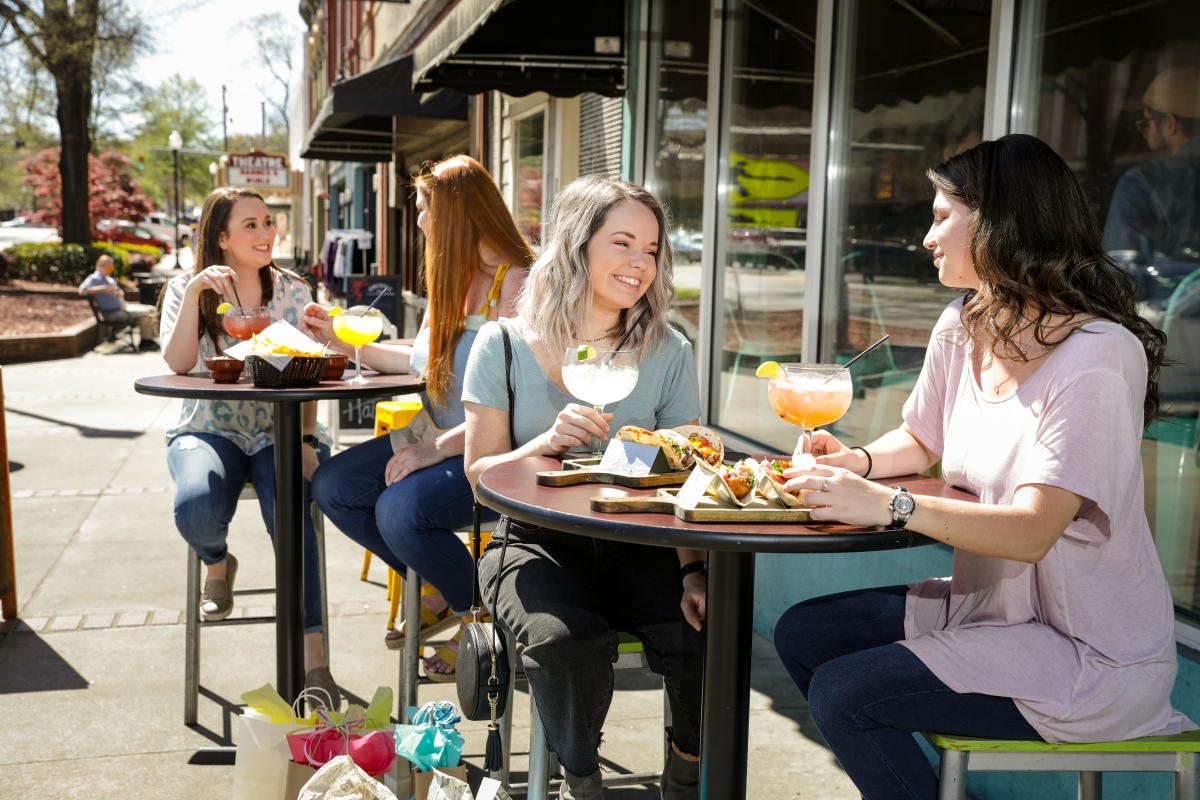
(493, 756)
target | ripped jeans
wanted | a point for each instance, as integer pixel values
(564, 597)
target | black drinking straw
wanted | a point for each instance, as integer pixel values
(628, 333)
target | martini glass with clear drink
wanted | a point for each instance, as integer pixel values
(357, 326)
(810, 395)
(598, 377)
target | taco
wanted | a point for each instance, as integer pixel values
(680, 452)
(772, 487)
(737, 483)
(632, 433)
(705, 441)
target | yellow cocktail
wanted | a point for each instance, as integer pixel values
(357, 326)
(810, 395)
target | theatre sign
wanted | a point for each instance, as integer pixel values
(258, 170)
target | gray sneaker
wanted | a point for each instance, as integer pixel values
(216, 601)
(581, 787)
(321, 678)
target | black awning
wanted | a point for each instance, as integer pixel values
(523, 46)
(356, 120)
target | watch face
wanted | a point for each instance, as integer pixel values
(903, 504)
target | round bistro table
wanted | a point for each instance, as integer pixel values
(289, 487)
(512, 489)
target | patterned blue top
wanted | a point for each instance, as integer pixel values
(245, 423)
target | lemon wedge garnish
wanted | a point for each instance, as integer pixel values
(586, 351)
(221, 309)
(768, 369)
(335, 310)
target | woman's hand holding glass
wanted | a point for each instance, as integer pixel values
(575, 425)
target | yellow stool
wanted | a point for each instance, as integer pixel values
(393, 414)
(396, 581)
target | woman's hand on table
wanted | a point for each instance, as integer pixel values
(695, 598)
(408, 460)
(840, 495)
(574, 426)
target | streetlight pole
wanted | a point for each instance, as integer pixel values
(176, 142)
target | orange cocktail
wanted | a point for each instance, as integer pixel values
(810, 395)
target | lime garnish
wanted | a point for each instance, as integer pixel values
(221, 309)
(335, 310)
(768, 369)
(586, 352)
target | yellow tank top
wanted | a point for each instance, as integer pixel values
(473, 322)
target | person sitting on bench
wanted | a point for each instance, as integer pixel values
(110, 299)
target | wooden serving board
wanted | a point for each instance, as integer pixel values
(708, 510)
(582, 470)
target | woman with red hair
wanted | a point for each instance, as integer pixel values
(401, 499)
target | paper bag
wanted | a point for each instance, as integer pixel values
(261, 763)
(422, 781)
(341, 779)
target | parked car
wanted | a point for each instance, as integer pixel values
(21, 231)
(164, 227)
(115, 230)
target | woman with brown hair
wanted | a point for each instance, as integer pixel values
(218, 445)
(403, 499)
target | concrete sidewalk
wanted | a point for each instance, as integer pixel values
(91, 676)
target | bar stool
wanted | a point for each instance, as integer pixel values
(193, 623)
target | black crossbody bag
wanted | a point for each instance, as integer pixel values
(482, 674)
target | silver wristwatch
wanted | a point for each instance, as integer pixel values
(902, 506)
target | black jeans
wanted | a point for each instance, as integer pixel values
(868, 695)
(564, 597)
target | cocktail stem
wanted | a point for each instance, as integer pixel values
(805, 440)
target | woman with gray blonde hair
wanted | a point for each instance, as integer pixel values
(605, 273)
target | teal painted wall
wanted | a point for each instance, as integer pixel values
(783, 580)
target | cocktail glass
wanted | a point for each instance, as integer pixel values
(810, 395)
(598, 377)
(244, 322)
(356, 326)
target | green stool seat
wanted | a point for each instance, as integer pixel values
(1175, 753)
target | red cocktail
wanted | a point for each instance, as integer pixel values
(242, 323)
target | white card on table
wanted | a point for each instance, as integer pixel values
(632, 459)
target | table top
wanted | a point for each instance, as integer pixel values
(512, 489)
(204, 387)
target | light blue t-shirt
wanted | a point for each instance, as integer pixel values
(667, 392)
(451, 412)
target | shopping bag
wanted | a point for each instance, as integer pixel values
(261, 762)
(432, 740)
(341, 779)
(372, 751)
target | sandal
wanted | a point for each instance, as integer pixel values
(449, 657)
(431, 624)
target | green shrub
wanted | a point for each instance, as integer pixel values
(142, 257)
(54, 262)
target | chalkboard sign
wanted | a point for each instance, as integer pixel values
(362, 291)
(357, 413)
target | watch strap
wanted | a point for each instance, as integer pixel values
(310, 439)
(693, 566)
(902, 499)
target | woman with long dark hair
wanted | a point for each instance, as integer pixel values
(1056, 624)
(401, 499)
(217, 445)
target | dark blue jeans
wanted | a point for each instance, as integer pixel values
(868, 694)
(411, 523)
(209, 472)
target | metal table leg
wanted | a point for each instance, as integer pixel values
(726, 705)
(289, 552)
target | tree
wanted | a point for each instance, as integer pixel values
(110, 192)
(276, 36)
(64, 39)
(176, 104)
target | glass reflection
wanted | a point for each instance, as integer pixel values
(1117, 94)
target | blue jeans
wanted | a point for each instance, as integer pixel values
(868, 694)
(209, 472)
(411, 523)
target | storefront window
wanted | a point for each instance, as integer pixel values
(763, 220)
(1115, 90)
(531, 179)
(676, 142)
(915, 96)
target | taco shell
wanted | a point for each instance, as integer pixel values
(772, 484)
(735, 484)
(632, 433)
(705, 441)
(679, 451)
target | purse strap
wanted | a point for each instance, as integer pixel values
(476, 537)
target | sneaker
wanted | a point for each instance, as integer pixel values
(321, 678)
(216, 601)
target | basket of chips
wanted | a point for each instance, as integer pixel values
(280, 357)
